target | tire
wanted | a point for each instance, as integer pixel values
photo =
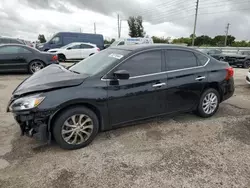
(204, 112)
(35, 66)
(61, 57)
(64, 122)
(221, 59)
(246, 64)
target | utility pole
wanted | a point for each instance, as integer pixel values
(80, 30)
(118, 25)
(227, 28)
(195, 21)
(94, 28)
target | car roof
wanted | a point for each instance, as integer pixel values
(140, 47)
(13, 45)
(74, 43)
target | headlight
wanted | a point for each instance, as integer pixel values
(26, 103)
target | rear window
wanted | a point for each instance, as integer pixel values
(201, 58)
(180, 59)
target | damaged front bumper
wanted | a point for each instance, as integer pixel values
(35, 124)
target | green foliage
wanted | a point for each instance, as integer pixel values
(160, 40)
(109, 41)
(218, 40)
(41, 38)
(242, 43)
(135, 26)
(183, 40)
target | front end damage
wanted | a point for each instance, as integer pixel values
(35, 124)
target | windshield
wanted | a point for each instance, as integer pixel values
(98, 62)
(115, 43)
(203, 50)
(68, 45)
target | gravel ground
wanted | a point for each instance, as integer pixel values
(177, 151)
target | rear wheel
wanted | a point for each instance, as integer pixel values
(35, 66)
(209, 103)
(75, 128)
(61, 57)
(246, 64)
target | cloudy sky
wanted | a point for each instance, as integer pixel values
(169, 18)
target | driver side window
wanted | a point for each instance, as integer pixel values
(143, 64)
(55, 40)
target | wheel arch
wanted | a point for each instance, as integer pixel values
(214, 85)
(72, 104)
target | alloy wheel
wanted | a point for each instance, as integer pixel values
(210, 103)
(36, 66)
(77, 129)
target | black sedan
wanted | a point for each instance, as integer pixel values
(240, 59)
(118, 86)
(17, 58)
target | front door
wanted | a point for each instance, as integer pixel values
(186, 80)
(143, 95)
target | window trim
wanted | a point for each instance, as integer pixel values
(164, 72)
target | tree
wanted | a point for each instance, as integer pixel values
(109, 41)
(135, 26)
(182, 40)
(220, 39)
(41, 38)
(160, 39)
(203, 40)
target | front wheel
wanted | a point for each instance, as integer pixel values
(209, 103)
(75, 128)
(246, 64)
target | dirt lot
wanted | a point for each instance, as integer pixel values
(179, 151)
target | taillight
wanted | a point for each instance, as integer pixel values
(54, 58)
(230, 73)
(98, 49)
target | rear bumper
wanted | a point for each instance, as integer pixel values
(227, 89)
(248, 78)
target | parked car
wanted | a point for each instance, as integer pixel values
(75, 50)
(118, 86)
(17, 58)
(8, 40)
(132, 41)
(64, 38)
(241, 59)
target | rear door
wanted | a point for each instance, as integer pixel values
(13, 58)
(73, 52)
(187, 78)
(143, 94)
(87, 50)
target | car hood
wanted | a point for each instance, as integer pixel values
(51, 77)
(54, 49)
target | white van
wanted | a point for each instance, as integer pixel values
(131, 41)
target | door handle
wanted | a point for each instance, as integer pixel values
(200, 78)
(159, 85)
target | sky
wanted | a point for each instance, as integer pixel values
(163, 18)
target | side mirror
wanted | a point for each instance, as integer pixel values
(121, 74)
(69, 48)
